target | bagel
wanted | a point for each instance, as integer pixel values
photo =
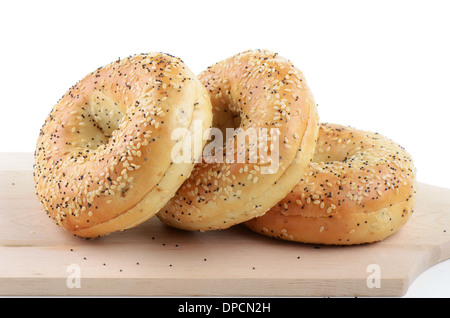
(103, 158)
(255, 90)
(360, 188)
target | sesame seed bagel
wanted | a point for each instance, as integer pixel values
(103, 159)
(260, 91)
(360, 188)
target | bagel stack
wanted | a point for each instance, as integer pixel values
(107, 160)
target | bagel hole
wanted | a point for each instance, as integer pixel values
(227, 119)
(102, 117)
(328, 157)
(329, 153)
(106, 113)
(219, 141)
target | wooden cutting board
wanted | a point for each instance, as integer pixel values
(39, 258)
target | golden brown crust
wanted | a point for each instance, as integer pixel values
(107, 143)
(351, 229)
(254, 89)
(359, 188)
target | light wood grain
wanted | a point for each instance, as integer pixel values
(155, 260)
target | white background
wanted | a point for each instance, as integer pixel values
(382, 66)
